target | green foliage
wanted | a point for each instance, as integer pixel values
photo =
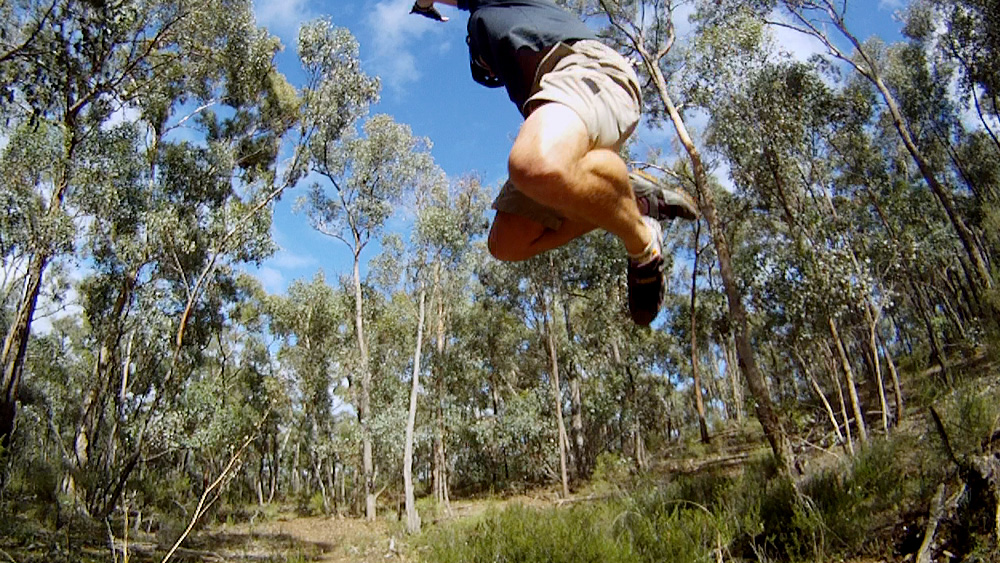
(972, 415)
(317, 506)
(828, 214)
(523, 534)
(611, 470)
(753, 514)
(682, 534)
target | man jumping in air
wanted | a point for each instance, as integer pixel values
(581, 100)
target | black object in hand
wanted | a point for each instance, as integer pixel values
(428, 12)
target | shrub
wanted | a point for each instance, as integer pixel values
(610, 471)
(661, 527)
(577, 534)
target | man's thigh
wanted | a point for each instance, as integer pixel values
(512, 237)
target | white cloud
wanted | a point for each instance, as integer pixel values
(890, 5)
(395, 34)
(285, 259)
(272, 280)
(799, 46)
(282, 17)
(124, 114)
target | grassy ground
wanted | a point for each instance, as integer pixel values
(697, 503)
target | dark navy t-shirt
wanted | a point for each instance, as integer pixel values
(499, 28)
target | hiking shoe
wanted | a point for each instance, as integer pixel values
(658, 201)
(645, 280)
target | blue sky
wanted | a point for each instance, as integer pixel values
(424, 70)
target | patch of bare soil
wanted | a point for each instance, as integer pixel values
(324, 539)
(312, 539)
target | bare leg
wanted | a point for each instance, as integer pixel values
(553, 163)
(513, 237)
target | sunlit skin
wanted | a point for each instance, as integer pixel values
(554, 163)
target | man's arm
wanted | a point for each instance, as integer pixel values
(426, 8)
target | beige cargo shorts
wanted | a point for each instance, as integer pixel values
(598, 84)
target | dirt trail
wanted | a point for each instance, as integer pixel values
(341, 540)
(313, 539)
(325, 539)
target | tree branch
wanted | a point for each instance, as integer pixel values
(201, 508)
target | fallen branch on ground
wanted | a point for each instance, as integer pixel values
(933, 518)
(201, 508)
(588, 498)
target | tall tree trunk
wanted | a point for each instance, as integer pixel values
(843, 404)
(498, 411)
(896, 390)
(872, 317)
(15, 343)
(732, 373)
(15, 346)
(317, 470)
(364, 401)
(550, 341)
(944, 197)
(766, 414)
(699, 402)
(852, 390)
(296, 480)
(412, 518)
(575, 402)
(440, 460)
(96, 398)
(630, 428)
(719, 378)
(773, 428)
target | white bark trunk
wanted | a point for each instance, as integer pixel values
(412, 517)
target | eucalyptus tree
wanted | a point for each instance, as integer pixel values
(447, 231)
(969, 36)
(62, 97)
(387, 265)
(267, 391)
(956, 125)
(542, 289)
(647, 31)
(363, 176)
(164, 220)
(519, 361)
(587, 283)
(392, 321)
(689, 320)
(810, 18)
(495, 343)
(412, 516)
(775, 134)
(308, 321)
(449, 218)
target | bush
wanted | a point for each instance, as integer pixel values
(659, 526)
(870, 505)
(578, 534)
(610, 471)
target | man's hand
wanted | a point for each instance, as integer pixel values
(428, 11)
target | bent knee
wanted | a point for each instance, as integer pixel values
(535, 173)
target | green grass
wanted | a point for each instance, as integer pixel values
(857, 508)
(519, 533)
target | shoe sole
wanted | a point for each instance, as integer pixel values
(678, 203)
